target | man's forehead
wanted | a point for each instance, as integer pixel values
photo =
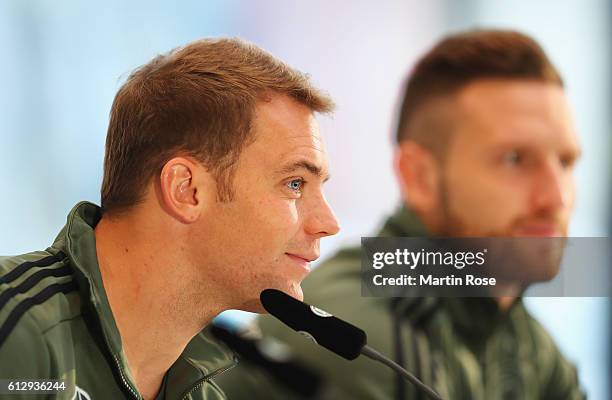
(283, 119)
(286, 138)
(515, 110)
(303, 151)
(495, 97)
(305, 141)
(286, 146)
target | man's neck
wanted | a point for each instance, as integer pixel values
(507, 294)
(151, 297)
(505, 302)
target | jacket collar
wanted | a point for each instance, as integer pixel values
(202, 357)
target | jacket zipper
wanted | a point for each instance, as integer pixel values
(125, 382)
(206, 378)
(117, 363)
(135, 393)
(197, 385)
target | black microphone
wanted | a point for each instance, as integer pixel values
(334, 334)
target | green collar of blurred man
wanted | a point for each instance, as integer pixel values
(485, 147)
(212, 192)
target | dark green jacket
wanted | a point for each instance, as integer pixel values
(56, 323)
(463, 348)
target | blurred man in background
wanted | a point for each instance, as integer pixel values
(485, 147)
(212, 192)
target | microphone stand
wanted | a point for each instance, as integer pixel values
(375, 355)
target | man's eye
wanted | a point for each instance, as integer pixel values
(512, 158)
(296, 185)
(567, 162)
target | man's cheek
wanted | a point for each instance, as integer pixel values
(501, 212)
(486, 207)
(468, 199)
(284, 217)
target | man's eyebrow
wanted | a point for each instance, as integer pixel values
(304, 164)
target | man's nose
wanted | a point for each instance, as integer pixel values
(322, 221)
(552, 189)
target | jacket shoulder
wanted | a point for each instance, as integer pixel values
(25, 352)
(37, 291)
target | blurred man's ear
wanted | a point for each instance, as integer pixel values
(419, 176)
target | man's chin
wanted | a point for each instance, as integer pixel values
(255, 306)
(294, 290)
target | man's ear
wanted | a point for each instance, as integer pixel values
(419, 175)
(180, 195)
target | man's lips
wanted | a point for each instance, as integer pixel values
(540, 230)
(304, 258)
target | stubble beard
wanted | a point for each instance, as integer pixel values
(452, 225)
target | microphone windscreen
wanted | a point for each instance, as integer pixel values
(334, 334)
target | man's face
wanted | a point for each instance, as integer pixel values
(509, 166)
(269, 233)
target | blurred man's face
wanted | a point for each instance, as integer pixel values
(269, 233)
(510, 163)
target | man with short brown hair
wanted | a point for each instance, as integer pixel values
(212, 192)
(485, 147)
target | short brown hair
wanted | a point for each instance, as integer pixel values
(197, 100)
(460, 59)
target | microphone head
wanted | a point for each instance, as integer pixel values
(334, 334)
